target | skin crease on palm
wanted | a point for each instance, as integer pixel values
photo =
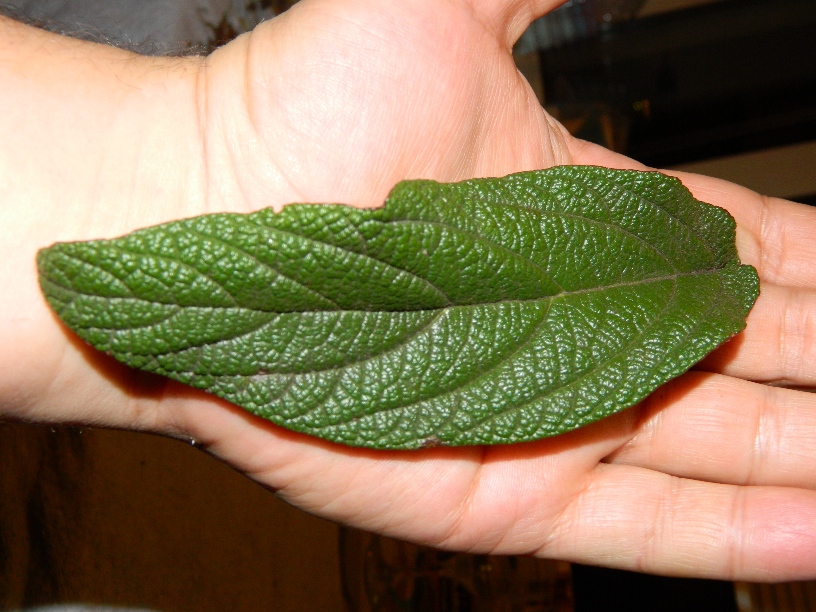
(336, 101)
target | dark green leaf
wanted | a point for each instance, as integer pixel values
(483, 312)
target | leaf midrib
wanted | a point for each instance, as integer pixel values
(366, 358)
(565, 294)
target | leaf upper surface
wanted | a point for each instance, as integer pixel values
(489, 311)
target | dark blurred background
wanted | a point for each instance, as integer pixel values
(725, 88)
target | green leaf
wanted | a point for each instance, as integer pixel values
(484, 312)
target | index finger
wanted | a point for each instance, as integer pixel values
(773, 235)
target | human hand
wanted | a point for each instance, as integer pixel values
(337, 101)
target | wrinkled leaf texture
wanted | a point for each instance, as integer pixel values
(489, 311)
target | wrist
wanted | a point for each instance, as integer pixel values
(94, 142)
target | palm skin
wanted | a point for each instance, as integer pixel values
(337, 101)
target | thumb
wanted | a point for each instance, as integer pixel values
(509, 18)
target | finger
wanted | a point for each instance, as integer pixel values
(587, 153)
(722, 429)
(775, 236)
(643, 520)
(778, 344)
(510, 19)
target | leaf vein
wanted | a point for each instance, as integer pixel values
(263, 264)
(390, 265)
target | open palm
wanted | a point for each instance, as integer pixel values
(335, 101)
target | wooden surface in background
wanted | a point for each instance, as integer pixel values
(120, 518)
